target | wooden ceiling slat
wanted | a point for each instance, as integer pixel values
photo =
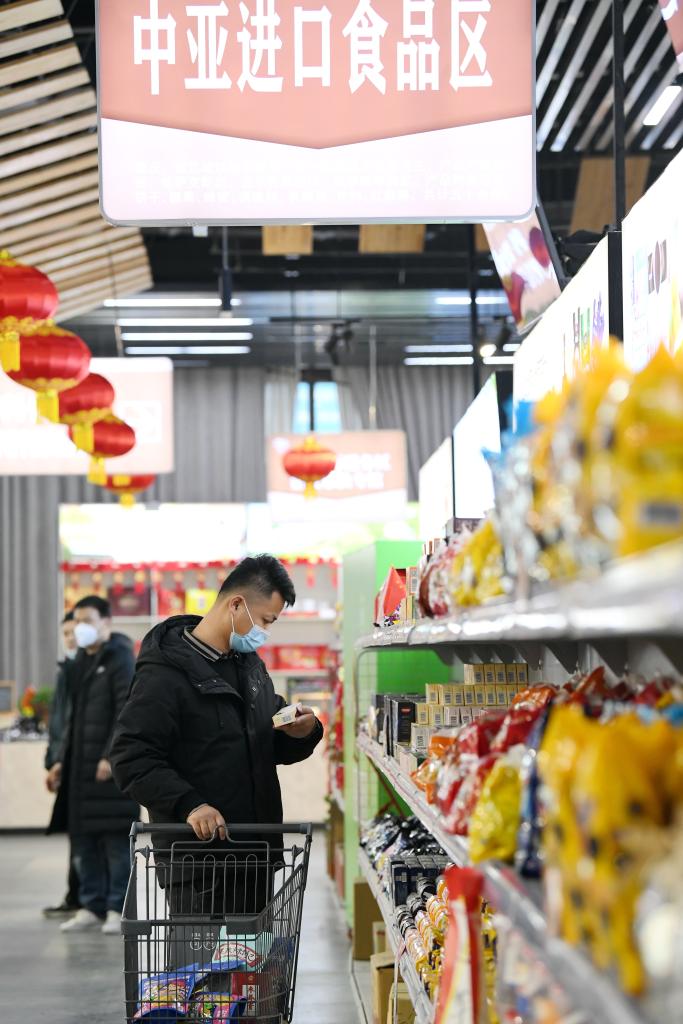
(68, 202)
(37, 137)
(22, 186)
(99, 265)
(24, 42)
(71, 240)
(391, 238)
(61, 187)
(113, 276)
(287, 240)
(38, 157)
(39, 228)
(39, 64)
(594, 201)
(28, 12)
(12, 98)
(81, 254)
(95, 295)
(43, 112)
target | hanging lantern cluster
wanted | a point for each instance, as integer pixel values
(55, 363)
(309, 462)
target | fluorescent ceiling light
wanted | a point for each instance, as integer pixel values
(499, 360)
(168, 302)
(443, 349)
(658, 110)
(487, 350)
(511, 346)
(189, 350)
(186, 336)
(440, 361)
(184, 321)
(464, 300)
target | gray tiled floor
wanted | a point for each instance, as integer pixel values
(47, 977)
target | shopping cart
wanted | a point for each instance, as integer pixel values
(211, 930)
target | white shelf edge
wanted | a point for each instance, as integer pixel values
(424, 1010)
(364, 1012)
(519, 901)
(637, 596)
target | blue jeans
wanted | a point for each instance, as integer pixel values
(103, 866)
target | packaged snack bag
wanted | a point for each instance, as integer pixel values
(462, 995)
(475, 739)
(528, 858)
(495, 819)
(166, 997)
(458, 820)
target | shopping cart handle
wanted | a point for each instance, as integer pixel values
(177, 828)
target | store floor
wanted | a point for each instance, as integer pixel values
(49, 977)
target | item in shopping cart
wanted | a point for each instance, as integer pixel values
(241, 950)
(462, 994)
(495, 818)
(166, 997)
(286, 716)
(233, 1009)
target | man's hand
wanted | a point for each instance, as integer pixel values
(206, 820)
(53, 778)
(303, 726)
(103, 773)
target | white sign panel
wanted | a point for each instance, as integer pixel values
(436, 491)
(144, 399)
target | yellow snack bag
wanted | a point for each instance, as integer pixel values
(495, 819)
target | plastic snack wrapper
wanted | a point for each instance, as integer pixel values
(494, 823)
(476, 739)
(528, 859)
(166, 997)
(458, 818)
(518, 724)
(462, 994)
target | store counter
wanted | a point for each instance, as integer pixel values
(24, 800)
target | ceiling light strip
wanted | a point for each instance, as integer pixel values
(168, 302)
(438, 349)
(439, 361)
(188, 350)
(185, 321)
(183, 336)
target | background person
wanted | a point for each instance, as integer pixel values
(59, 713)
(89, 805)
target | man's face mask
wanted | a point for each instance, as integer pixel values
(250, 642)
(86, 634)
(70, 653)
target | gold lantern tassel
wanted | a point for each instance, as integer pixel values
(48, 406)
(127, 500)
(309, 489)
(97, 473)
(84, 436)
(10, 349)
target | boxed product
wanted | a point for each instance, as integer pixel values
(479, 674)
(301, 656)
(407, 760)
(452, 717)
(502, 695)
(436, 712)
(523, 674)
(458, 695)
(419, 737)
(382, 975)
(286, 716)
(130, 601)
(490, 698)
(339, 870)
(198, 602)
(433, 693)
(446, 695)
(469, 696)
(511, 675)
(479, 695)
(170, 602)
(365, 913)
(490, 674)
(268, 656)
(501, 674)
(512, 691)
(379, 937)
(403, 714)
(422, 713)
(465, 716)
(400, 1010)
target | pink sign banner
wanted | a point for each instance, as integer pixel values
(284, 110)
(672, 12)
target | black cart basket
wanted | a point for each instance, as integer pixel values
(211, 929)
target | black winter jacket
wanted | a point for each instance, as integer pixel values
(98, 691)
(187, 737)
(59, 716)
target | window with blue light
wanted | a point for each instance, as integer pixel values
(326, 410)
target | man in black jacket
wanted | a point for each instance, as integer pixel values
(195, 742)
(89, 805)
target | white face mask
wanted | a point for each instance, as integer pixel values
(86, 635)
(70, 653)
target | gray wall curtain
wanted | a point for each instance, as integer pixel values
(219, 456)
(425, 401)
(280, 396)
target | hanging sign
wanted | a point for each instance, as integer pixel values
(144, 399)
(672, 12)
(368, 482)
(266, 111)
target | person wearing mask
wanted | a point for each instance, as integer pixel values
(195, 741)
(59, 713)
(89, 805)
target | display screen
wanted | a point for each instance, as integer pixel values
(477, 431)
(272, 111)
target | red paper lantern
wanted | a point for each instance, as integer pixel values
(51, 360)
(309, 462)
(106, 439)
(88, 402)
(128, 486)
(25, 293)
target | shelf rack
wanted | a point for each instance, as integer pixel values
(521, 902)
(338, 797)
(424, 1010)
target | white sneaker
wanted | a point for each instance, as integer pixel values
(83, 921)
(112, 926)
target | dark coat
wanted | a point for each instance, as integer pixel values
(59, 716)
(187, 737)
(98, 691)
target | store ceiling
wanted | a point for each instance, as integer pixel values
(574, 121)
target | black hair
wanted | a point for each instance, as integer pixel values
(100, 604)
(69, 617)
(264, 574)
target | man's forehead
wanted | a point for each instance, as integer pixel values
(84, 614)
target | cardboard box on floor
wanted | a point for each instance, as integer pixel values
(339, 869)
(406, 1013)
(382, 972)
(379, 938)
(365, 913)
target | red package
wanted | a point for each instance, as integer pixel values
(458, 819)
(448, 783)
(462, 992)
(537, 696)
(517, 726)
(304, 656)
(269, 657)
(592, 688)
(476, 739)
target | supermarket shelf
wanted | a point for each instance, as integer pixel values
(297, 673)
(521, 902)
(635, 597)
(338, 797)
(361, 987)
(424, 1011)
